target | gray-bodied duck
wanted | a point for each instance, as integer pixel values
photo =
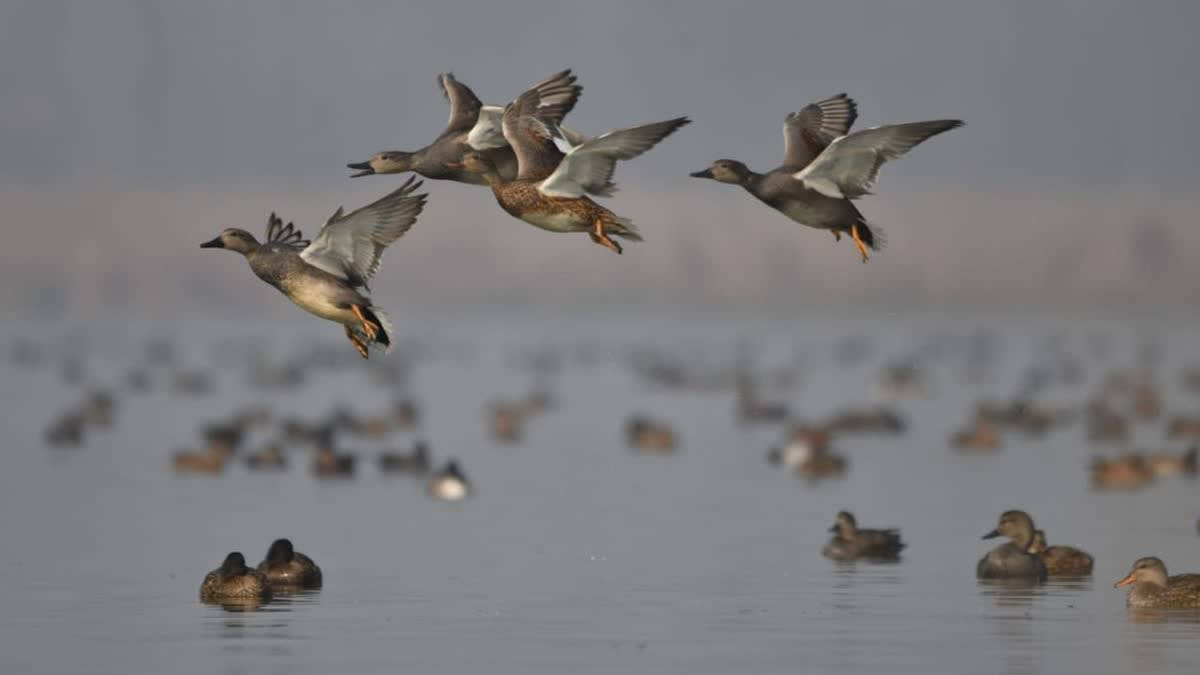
(851, 543)
(285, 567)
(472, 125)
(1061, 561)
(1012, 560)
(324, 277)
(448, 484)
(233, 580)
(825, 167)
(1152, 588)
(554, 179)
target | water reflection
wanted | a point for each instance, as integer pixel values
(1147, 615)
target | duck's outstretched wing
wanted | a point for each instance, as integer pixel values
(807, 132)
(284, 235)
(530, 124)
(588, 167)
(464, 105)
(850, 165)
(351, 246)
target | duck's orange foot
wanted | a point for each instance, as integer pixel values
(860, 244)
(601, 237)
(368, 326)
(359, 345)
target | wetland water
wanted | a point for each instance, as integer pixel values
(576, 555)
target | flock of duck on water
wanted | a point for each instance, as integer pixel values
(546, 174)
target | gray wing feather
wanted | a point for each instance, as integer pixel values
(849, 167)
(589, 166)
(529, 124)
(464, 105)
(351, 246)
(286, 236)
(807, 132)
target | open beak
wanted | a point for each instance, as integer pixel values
(707, 173)
(363, 168)
(991, 535)
(213, 243)
(1125, 582)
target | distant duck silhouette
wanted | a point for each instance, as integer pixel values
(327, 463)
(1012, 559)
(416, 462)
(449, 484)
(981, 436)
(1123, 472)
(233, 580)
(286, 567)
(269, 458)
(851, 543)
(649, 436)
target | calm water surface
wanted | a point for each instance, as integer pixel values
(576, 555)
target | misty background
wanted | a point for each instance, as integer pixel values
(133, 130)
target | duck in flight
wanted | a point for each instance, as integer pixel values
(324, 277)
(825, 167)
(473, 125)
(554, 178)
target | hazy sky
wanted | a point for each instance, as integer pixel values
(231, 99)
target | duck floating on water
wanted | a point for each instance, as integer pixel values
(1152, 588)
(233, 580)
(851, 543)
(1012, 560)
(286, 568)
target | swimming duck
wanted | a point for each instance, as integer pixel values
(1184, 427)
(1060, 561)
(471, 121)
(1165, 464)
(981, 436)
(649, 436)
(270, 457)
(328, 463)
(1152, 588)
(210, 462)
(824, 167)
(506, 420)
(879, 420)
(1123, 472)
(322, 277)
(286, 567)
(415, 462)
(66, 430)
(234, 580)
(449, 484)
(550, 189)
(851, 543)
(1012, 559)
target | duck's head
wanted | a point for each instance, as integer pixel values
(475, 162)
(234, 565)
(1016, 525)
(281, 551)
(233, 239)
(1148, 570)
(725, 171)
(390, 161)
(844, 524)
(1038, 544)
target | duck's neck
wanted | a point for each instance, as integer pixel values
(750, 180)
(1023, 539)
(493, 179)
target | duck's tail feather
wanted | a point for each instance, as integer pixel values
(624, 228)
(386, 333)
(872, 235)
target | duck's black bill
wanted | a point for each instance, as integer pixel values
(213, 243)
(707, 173)
(991, 535)
(363, 168)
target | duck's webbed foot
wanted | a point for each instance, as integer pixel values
(359, 345)
(368, 326)
(601, 237)
(860, 244)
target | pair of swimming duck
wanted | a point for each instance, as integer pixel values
(1025, 555)
(544, 174)
(284, 568)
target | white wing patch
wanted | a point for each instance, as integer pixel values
(488, 132)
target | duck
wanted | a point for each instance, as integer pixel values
(1165, 464)
(271, 457)
(851, 543)
(472, 126)
(449, 484)
(1012, 560)
(825, 167)
(1153, 589)
(415, 462)
(807, 453)
(208, 462)
(327, 463)
(879, 420)
(1060, 561)
(1123, 472)
(551, 189)
(507, 421)
(649, 436)
(322, 277)
(285, 567)
(233, 580)
(1184, 427)
(66, 430)
(981, 436)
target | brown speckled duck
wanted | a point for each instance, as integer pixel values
(1152, 588)
(1061, 561)
(285, 567)
(550, 189)
(851, 543)
(1012, 559)
(233, 580)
